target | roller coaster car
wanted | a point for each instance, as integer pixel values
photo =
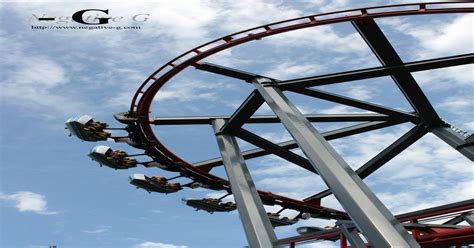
(277, 221)
(117, 159)
(210, 205)
(86, 129)
(154, 184)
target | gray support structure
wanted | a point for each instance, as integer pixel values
(469, 218)
(365, 209)
(351, 234)
(256, 224)
(462, 143)
(383, 50)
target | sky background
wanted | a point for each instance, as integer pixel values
(51, 193)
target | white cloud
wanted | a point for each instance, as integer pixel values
(26, 201)
(289, 70)
(445, 78)
(149, 244)
(189, 91)
(99, 231)
(342, 109)
(276, 137)
(240, 15)
(451, 38)
(33, 80)
(437, 38)
(331, 5)
(360, 92)
(457, 102)
(324, 38)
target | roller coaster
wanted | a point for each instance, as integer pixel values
(365, 221)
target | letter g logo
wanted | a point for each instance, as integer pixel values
(78, 17)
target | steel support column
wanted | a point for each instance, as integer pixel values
(463, 144)
(364, 208)
(256, 224)
(351, 234)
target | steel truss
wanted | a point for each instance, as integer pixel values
(365, 212)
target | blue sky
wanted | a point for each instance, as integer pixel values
(51, 193)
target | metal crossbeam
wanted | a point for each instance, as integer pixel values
(207, 120)
(364, 208)
(387, 55)
(331, 135)
(257, 226)
(226, 71)
(351, 234)
(463, 144)
(468, 217)
(383, 157)
(243, 113)
(376, 72)
(275, 149)
(356, 103)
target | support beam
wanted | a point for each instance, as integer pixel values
(275, 149)
(243, 113)
(461, 141)
(357, 103)
(376, 72)
(226, 71)
(468, 217)
(331, 135)
(207, 120)
(387, 55)
(256, 224)
(364, 208)
(383, 157)
(351, 234)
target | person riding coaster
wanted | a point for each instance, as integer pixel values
(118, 154)
(211, 201)
(159, 180)
(96, 125)
(96, 130)
(128, 162)
(229, 205)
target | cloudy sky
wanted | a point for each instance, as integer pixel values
(52, 194)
